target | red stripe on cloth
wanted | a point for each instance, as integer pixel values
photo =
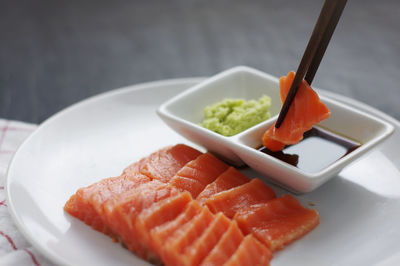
(1, 187)
(34, 260)
(3, 131)
(9, 239)
(3, 134)
(3, 203)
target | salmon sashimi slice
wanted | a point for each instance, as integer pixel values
(225, 247)
(305, 111)
(195, 253)
(250, 253)
(163, 165)
(115, 187)
(185, 236)
(121, 213)
(158, 214)
(87, 203)
(197, 174)
(136, 167)
(278, 222)
(229, 179)
(161, 233)
(241, 197)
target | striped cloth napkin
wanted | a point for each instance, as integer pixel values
(14, 249)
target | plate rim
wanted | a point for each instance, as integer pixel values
(126, 89)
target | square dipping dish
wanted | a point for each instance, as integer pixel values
(184, 113)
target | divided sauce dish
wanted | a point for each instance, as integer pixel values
(184, 112)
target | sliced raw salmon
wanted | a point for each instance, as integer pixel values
(305, 111)
(136, 167)
(197, 174)
(278, 222)
(185, 236)
(115, 187)
(87, 203)
(250, 253)
(161, 233)
(241, 197)
(196, 252)
(225, 247)
(121, 213)
(229, 179)
(163, 165)
(158, 214)
(150, 209)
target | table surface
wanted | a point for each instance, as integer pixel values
(55, 53)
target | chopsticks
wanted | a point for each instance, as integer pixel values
(315, 50)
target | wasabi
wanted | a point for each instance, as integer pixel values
(232, 116)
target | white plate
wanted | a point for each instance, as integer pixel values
(97, 138)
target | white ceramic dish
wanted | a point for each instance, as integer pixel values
(98, 137)
(184, 112)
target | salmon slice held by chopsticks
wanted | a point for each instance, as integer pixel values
(305, 111)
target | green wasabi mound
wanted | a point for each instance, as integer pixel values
(232, 116)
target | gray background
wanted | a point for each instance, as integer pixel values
(55, 53)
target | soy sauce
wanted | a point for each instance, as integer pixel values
(318, 149)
